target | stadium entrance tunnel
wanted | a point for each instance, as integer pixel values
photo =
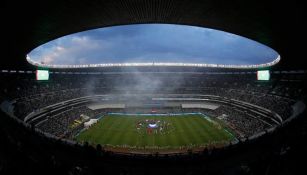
(153, 45)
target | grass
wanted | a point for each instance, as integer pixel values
(182, 131)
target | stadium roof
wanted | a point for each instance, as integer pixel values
(28, 24)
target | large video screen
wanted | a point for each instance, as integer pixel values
(263, 75)
(42, 75)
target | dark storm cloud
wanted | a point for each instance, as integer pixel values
(153, 43)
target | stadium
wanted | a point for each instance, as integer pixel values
(157, 117)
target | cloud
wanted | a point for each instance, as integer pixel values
(71, 50)
(153, 43)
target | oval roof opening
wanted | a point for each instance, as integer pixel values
(153, 45)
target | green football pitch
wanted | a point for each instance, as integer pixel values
(155, 132)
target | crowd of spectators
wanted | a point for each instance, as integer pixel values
(27, 105)
(24, 151)
(61, 125)
(242, 123)
(278, 104)
(28, 95)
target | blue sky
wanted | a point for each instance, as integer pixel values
(145, 43)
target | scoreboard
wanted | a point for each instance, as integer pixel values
(42, 75)
(263, 75)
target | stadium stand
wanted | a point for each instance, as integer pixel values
(59, 125)
(25, 102)
(32, 96)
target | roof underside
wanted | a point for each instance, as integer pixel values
(278, 25)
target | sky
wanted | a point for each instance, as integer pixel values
(147, 43)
